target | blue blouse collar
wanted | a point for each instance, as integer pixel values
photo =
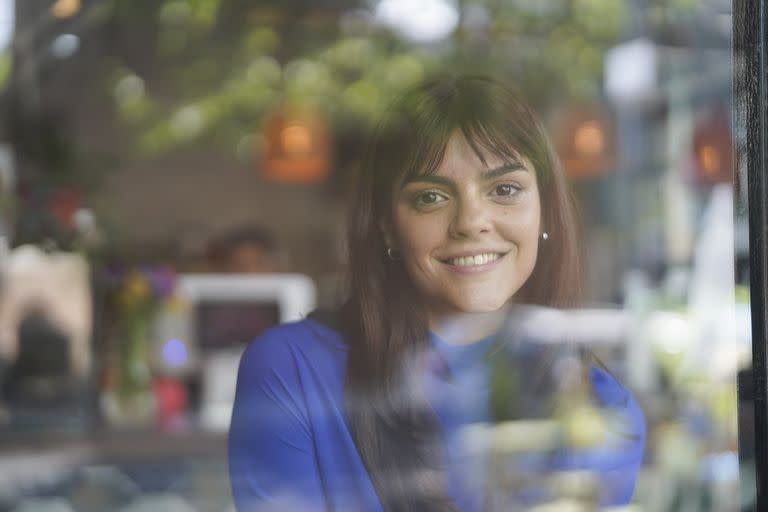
(460, 356)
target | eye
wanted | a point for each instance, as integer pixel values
(506, 190)
(428, 198)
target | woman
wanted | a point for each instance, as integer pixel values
(460, 215)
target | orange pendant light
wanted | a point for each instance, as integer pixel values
(298, 146)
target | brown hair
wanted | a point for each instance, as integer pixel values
(395, 433)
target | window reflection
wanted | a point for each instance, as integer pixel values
(136, 151)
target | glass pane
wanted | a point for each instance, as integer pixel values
(374, 254)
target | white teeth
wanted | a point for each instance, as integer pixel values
(479, 259)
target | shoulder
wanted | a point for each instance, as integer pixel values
(285, 348)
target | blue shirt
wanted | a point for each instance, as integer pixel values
(290, 447)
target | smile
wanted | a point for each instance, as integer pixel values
(475, 260)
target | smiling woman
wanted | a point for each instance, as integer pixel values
(461, 217)
(469, 232)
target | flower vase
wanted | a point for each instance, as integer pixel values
(135, 400)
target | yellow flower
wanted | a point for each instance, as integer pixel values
(135, 290)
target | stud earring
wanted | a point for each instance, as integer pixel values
(545, 236)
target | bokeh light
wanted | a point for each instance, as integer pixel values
(589, 138)
(419, 20)
(65, 8)
(175, 353)
(65, 45)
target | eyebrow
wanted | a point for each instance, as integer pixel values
(501, 171)
(486, 175)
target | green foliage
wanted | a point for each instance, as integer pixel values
(222, 77)
(199, 14)
(5, 68)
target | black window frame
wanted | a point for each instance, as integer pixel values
(750, 87)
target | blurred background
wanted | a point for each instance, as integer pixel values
(172, 182)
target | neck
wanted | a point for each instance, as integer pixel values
(466, 328)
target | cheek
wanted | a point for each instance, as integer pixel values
(521, 226)
(418, 236)
(529, 227)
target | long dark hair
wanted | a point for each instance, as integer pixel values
(385, 322)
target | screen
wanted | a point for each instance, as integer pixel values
(225, 324)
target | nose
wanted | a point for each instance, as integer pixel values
(471, 218)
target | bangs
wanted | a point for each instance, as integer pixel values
(425, 156)
(414, 135)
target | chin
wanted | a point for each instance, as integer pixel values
(481, 306)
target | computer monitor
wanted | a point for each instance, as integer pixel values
(217, 316)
